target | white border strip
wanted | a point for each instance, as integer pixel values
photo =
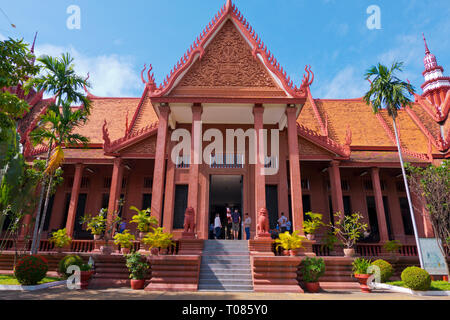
(31, 288)
(413, 292)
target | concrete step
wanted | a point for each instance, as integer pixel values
(226, 282)
(218, 259)
(224, 276)
(225, 272)
(228, 288)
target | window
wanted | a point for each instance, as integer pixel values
(305, 184)
(373, 220)
(84, 183)
(368, 186)
(107, 182)
(347, 205)
(105, 201)
(345, 185)
(148, 183)
(388, 217)
(406, 217)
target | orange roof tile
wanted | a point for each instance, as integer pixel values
(114, 111)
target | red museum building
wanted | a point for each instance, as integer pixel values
(334, 155)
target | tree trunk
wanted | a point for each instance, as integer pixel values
(416, 234)
(35, 244)
(44, 214)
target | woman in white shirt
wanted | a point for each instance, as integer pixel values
(217, 226)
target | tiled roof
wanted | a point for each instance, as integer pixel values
(114, 111)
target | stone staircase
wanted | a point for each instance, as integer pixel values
(225, 266)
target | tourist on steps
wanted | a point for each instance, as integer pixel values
(217, 226)
(236, 224)
(229, 224)
(247, 226)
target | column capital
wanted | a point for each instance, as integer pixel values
(197, 109)
(258, 109)
(291, 109)
(335, 163)
(375, 170)
(164, 110)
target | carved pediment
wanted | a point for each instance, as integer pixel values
(147, 146)
(228, 62)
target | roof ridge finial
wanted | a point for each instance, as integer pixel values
(229, 5)
(427, 51)
(34, 42)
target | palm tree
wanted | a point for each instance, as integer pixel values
(57, 125)
(390, 93)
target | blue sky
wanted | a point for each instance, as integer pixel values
(117, 37)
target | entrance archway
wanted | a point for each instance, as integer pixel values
(225, 192)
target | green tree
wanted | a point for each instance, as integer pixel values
(17, 179)
(388, 92)
(55, 128)
(432, 185)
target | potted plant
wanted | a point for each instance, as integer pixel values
(61, 240)
(311, 224)
(145, 222)
(86, 273)
(125, 240)
(96, 225)
(290, 242)
(392, 247)
(360, 267)
(312, 270)
(348, 229)
(157, 240)
(329, 243)
(138, 267)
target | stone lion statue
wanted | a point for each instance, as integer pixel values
(263, 221)
(189, 220)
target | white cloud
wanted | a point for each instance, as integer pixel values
(346, 84)
(110, 75)
(2, 37)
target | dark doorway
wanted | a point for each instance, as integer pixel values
(225, 192)
(272, 205)
(181, 202)
(373, 221)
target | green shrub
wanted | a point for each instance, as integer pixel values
(416, 279)
(66, 262)
(313, 269)
(30, 270)
(137, 266)
(387, 271)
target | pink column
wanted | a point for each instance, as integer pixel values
(197, 111)
(74, 199)
(260, 179)
(170, 193)
(294, 165)
(382, 225)
(115, 190)
(160, 162)
(336, 188)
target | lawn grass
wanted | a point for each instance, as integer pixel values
(435, 285)
(10, 280)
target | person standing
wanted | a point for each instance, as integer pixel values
(236, 216)
(229, 224)
(283, 222)
(217, 226)
(247, 226)
(289, 226)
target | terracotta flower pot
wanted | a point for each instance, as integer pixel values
(97, 237)
(154, 251)
(286, 253)
(362, 279)
(312, 287)
(85, 277)
(310, 237)
(137, 284)
(293, 252)
(349, 252)
(125, 251)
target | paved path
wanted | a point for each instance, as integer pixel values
(62, 293)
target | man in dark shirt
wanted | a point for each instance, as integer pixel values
(236, 216)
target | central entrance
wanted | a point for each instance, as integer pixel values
(225, 192)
